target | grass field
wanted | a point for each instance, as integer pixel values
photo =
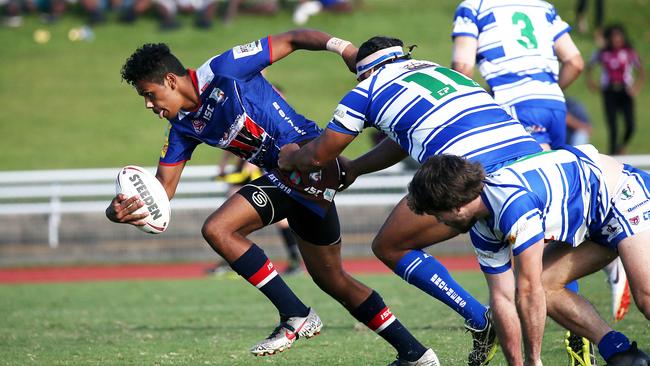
(214, 321)
(65, 107)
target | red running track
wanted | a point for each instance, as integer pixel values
(178, 271)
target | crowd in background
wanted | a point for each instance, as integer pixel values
(167, 11)
(621, 77)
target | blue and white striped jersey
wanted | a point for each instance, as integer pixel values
(555, 195)
(515, 48)
(428, 109)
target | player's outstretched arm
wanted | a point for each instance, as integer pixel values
(316, 153)
(169, 176)
(502, 302)
(531, 300)
(387, 153)
(572, 62)
(314, 40)
(463, 56)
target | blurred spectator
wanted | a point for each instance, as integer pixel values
(11, 12)
(578, 123)
(95, 10)
(617, 60)
(168, 11)
(52, 10)
(130, 10)
(581, 18)
(308, 8)
(257, 7)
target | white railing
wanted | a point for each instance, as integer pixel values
(58, 192)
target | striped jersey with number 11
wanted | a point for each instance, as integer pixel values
(429, 109)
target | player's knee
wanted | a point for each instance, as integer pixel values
(381, 249)
(214, 233)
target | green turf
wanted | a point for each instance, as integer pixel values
(214, 321)
(65, 107)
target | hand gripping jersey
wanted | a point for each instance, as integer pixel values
(239, 112)
(428, 109)
(515, 48)
(554, 195)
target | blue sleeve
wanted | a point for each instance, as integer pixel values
(243, 61)
(177, 148)
(521, 223)
(465, 22)
(350, 115)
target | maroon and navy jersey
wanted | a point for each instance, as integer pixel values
(240, 111)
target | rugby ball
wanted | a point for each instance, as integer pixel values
(133, 180)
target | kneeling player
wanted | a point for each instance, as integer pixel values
(589, 205)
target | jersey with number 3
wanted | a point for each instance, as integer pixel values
(515, 51)
(428, 110)
(240, 111)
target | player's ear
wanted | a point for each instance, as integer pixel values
(171, 80)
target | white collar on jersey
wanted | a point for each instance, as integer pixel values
(378, 57)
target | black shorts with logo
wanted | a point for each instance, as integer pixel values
(273, 205)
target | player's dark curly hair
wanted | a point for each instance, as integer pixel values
(151, 62)
(377, 43)
(444, 183)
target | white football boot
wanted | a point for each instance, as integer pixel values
(429, 358)
(617, 280)
(287, 332)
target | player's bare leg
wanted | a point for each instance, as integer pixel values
(398, 244)
(226, 230)
(404, 231)
(563, 264)
(325, 266)
(635, 255)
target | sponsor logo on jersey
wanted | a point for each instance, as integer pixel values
(634, 220)
(218, 96)
(637, 206)
(627, 193)
(329, 194)
(248, 49)
(315, 176)
(646, 216)
(259, 199)
(198, 125)
(287, 119)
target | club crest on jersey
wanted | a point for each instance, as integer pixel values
(198, 125)
(245, 50)
(627, 193)
(218, 96)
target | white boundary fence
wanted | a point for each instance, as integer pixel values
(58, 192)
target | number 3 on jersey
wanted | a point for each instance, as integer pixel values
(526, 29)
(438, 88)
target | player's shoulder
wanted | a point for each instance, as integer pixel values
(205, 74)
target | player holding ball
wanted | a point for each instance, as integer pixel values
(227, 103)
